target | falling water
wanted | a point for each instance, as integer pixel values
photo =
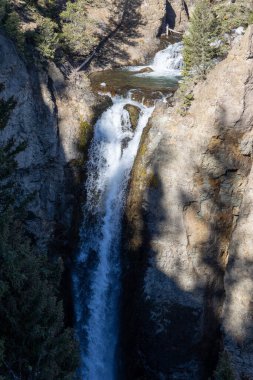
(97, 274)
(167, 62)
(97, 271)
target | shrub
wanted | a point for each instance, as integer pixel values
(84, 136)
(12, 26)
(231, 16)
(2, 9)
(34, 342)
(46, 38)
(6, 107)
(75, 25)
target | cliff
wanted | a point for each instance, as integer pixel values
(48, 112)
(188, 222)
(52, 105)
(129, 29)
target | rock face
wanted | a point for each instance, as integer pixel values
(188, 255)
(129, 33)
(177, 14)
(134, 114)
(127, 30)
(47, 115)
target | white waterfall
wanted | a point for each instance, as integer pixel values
(97, 273)
(96, 277)
(167, 62)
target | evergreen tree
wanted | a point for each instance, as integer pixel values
(46, 37)
(75, 27)
(35, 343)
(198, 50)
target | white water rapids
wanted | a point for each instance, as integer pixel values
(167, 62)
(108, 172)
(97, 271)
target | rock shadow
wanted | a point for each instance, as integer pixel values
(54, 213)
(171, 324)
(119, 35)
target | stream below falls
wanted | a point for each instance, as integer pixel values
(97, 272)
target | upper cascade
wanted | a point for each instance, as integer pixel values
(169, 60)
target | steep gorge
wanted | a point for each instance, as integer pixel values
(53, 101)
(187, 227)
(187, 231)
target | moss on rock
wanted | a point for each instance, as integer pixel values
(85, 134)
(134, 114)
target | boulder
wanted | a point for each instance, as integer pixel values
(134, 114)
(145, 70)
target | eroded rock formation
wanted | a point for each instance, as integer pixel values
(49, 109)
(188, 227)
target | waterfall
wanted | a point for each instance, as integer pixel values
(167, 62)
(97, 272)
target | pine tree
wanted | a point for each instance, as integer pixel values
(75, 27)
(36, 345)
(198, 50)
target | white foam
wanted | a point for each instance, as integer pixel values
(111, 158)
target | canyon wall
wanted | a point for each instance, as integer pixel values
(52, 105)
(48, 112)
(188, 232)
(129, 32)
(129, 28)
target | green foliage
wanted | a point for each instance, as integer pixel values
(84, 136)
(206, 39)
(224, 370)
(6, 106)
(231, 16)
(9, 191)
(198, 51)
(75, 28)
(12, 26)
(36, 344)
(41, 24)
(3, 4)
(250, 18)
(185, 95)
(46, 38)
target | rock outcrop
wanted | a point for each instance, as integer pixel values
(188, 286)
(129, 31)
(126, 31)
(49, 109)
(134, 114)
